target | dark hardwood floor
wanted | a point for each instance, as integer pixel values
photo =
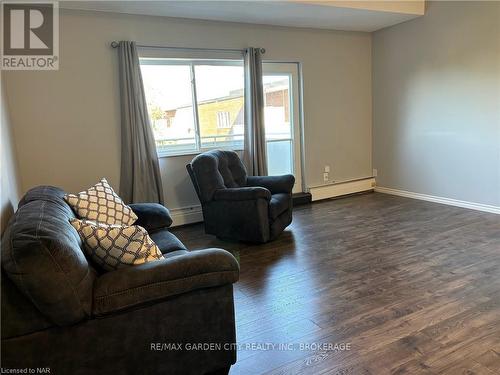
(412, 287)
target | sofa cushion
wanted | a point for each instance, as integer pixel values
(166, 241)
(116, 246)
(279, 204)
(100, 203)
(42, 255)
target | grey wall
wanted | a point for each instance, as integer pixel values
(67, 122)
(436, 103)
(9, 193)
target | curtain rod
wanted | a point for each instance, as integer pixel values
(114, 44)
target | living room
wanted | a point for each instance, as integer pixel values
(321, 181)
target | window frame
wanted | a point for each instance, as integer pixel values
(192, 63)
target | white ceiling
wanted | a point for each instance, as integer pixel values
(280, 13)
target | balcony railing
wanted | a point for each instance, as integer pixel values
(173, 146)
(279, 148)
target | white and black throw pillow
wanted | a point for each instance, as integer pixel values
(116, 246)
(100, 203)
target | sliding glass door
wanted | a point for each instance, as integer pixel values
(282, 119)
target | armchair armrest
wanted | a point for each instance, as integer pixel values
(242, 194)
(146, 283)
(151, 216)
(275, 184)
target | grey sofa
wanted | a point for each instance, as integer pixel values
(59, 312)
(237, 206)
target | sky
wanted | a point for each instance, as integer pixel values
(169, 87)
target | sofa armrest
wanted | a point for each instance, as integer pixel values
(242, 194)
(275, 184)
(149, 282)
(151, 216)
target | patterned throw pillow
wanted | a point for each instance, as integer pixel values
(100, 203)
(116, 246)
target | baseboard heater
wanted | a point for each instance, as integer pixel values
(186, 215)
(342, 188)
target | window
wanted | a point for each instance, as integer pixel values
(194, 105)
(223, 120)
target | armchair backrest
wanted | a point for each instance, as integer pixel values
(42, 255)
(216, 169)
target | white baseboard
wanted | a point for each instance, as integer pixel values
(341, 188)
(432, 198)
(186, 215)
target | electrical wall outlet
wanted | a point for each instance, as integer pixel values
(375, 173)
(326, 177)
(327, 168)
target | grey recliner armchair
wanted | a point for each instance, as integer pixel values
(236, 206)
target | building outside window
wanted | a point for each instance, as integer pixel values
(194, 105)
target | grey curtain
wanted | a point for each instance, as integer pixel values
(254, 154)
(140, 179)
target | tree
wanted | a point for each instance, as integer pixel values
(157, 113)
